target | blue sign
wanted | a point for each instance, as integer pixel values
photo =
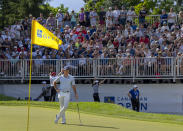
(109, 99)
(126, 102)
(39, 33)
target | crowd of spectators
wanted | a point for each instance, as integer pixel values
(115, 33)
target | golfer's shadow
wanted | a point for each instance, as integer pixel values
(84, 125)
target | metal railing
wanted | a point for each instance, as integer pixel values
(149, 18)
(125, 68)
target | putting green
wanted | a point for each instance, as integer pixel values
(14, 118)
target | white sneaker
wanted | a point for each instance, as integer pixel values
(63, 122)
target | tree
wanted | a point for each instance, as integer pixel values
(13, 10)
(155, 5)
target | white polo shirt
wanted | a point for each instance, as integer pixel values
(66, 83)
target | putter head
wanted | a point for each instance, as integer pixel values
(81, 124)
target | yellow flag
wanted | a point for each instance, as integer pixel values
(43, 37)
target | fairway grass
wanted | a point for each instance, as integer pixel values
(14, 118)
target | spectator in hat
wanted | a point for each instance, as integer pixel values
(142, 15)
(95, 85)
(46, 92)
(59, 17)
(163, 17)
(109, 14)
(134, 94)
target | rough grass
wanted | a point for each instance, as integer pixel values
(6, 98)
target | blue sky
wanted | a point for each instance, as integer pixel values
(72, 4)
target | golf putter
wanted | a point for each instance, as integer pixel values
(79, 113)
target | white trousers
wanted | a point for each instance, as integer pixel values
(64, 99)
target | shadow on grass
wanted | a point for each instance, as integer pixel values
(84, 125)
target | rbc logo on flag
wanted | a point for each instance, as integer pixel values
(109, 99)
(39, 33)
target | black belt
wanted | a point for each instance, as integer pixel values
(65, 91)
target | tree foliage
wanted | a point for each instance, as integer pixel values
(137, 4)
(46, 9)
(90, 4)
(13, 10)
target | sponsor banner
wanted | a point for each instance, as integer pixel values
(162, 98)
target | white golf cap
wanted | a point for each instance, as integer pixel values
(66, 68)
(135, 86)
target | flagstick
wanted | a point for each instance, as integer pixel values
(29, 89)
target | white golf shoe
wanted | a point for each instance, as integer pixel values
(63, 122)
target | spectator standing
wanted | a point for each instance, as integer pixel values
(180, 18)
(123, 15)
(30, 21)
(116, 14)
(95, 85)
(109, 14)
(102, 15)
(134, 96)
(59, 17)
(142, 15)
(67, 19)
(130, 15)
(41, 19)
(51, 22)
(25, 26)
(73, 19)
(87, 18)
(163, 17)
(93, 17)
(171, 18)
(82, 17)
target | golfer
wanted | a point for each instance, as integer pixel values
(66, 83)
(134, 96)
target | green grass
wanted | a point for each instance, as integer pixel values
(6, 98)
(95, 116)
(14, 118)
(103, 109)
(98, 110)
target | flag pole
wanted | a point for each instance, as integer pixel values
(30, 72)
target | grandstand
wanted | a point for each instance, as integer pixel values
(116, 44)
